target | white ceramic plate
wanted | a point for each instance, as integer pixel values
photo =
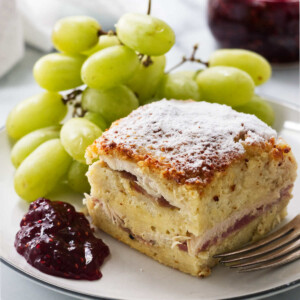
(128, 274)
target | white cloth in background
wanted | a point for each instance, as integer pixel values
(31, 21)
(11, 35)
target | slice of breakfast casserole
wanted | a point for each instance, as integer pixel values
(181, 181)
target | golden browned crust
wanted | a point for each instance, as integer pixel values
(188, 142)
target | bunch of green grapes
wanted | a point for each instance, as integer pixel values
(114, 73)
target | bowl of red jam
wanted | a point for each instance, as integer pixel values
(268, 27)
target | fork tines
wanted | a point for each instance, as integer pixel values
(281, 247)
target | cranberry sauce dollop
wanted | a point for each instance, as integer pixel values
(269, 27)
(59, 241)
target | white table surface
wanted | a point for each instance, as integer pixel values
(189, 22)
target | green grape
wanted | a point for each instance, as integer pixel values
(104, 41)
(77, 179)
(112, 104)
(225, 85)
(41, 170)
(58, 71)
(76, 134)
(97, 119)
(178, 86)
(31, 141)
(250, 62)
(109, 67)
(189, 73)
(75, 34)
(42, 110)
(259, 107)
(145, 34)
(145, 80)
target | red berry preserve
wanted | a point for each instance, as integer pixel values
(269, 27)
(59, 241)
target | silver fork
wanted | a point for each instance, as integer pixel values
(280, 247)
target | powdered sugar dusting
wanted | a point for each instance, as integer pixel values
(190, 138)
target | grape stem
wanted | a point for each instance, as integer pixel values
(109, 32)
(78, 111)
(71, 98)
(147, 61)
(192, 58)
(149, 7)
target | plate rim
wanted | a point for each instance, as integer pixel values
(258, 295)
(286, 103)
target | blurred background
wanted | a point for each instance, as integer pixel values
(260, 25)
(270, 27)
